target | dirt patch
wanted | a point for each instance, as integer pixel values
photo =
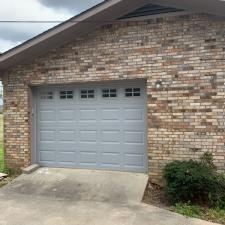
(155, 195)
(8, 179)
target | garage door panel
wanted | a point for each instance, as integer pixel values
(47, 156)
(46, 135)
(67, 115)
(67, 157)
(111, 157)
(71, 125)
(109, 115)
(47, 145)
(87, 115)
(88, 136)
(107, 125)
(134, 149)
(133, 160)
(47, 115)
(134, 137)
(88, 158)
(96, 133)
(66, 146)
(110, 149)
(45, 126)
(87, 145)
(66, 135)
(110, 136)
(134, 124)
(133, 115)
(66, 165)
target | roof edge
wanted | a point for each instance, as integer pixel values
(59, 28)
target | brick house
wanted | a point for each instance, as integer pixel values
(127, 85)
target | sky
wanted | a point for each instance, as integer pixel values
(13, 34)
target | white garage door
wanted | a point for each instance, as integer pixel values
(93, 127)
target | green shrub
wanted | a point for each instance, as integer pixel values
(219, 201)
(195, 182)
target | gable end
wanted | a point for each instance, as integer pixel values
(151, 9)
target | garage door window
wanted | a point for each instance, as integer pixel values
(66, 94)
(46, 95)
(87, 94)
(109, 93)
(132, 92)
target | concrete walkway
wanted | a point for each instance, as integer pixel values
(23, 203)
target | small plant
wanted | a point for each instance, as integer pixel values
(207, 160)
(216, 215)
(187, 209)
(195, 182)
(11, 172)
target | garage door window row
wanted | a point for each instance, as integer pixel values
(91, 93)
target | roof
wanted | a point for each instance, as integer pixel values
(109, 10)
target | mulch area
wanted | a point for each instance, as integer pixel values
(155, 195)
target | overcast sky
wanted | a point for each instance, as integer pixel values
(12, 34)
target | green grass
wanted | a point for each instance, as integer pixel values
(1, 159)
(12, 173)
(189, 210)
(1, 144)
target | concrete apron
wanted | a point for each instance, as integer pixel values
(81, 185)
(81, 197)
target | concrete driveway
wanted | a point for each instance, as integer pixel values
(81, 197)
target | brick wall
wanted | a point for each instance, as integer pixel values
(185, 54)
